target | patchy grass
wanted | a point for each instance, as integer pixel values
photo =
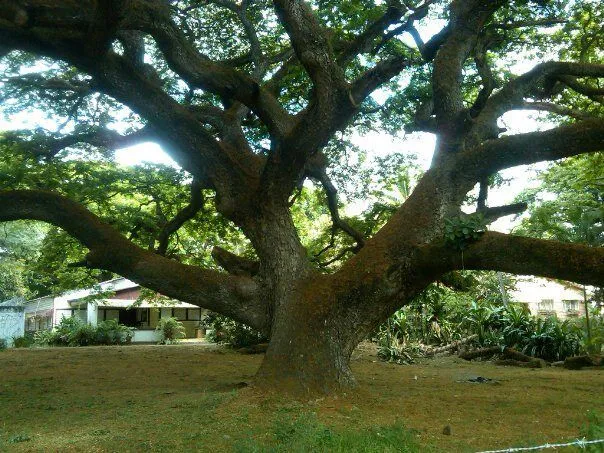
(191, 397)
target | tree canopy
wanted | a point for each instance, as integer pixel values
(253, 98)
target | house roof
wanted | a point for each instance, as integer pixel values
(125, 303)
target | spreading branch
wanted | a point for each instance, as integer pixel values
(184, 215)
(523, 149)
(235, 264)
(490, 214)
(48, 147)
(230, 295)
(522, 255)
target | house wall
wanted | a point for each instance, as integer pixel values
(547, 297)
(12, 323)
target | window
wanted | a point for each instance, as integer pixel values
(142, 315)
(180, 314)
(193, 314)
(546, 305)
(571, 305)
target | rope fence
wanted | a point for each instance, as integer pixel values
(581, 443)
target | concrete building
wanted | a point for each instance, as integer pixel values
(545, 297)
(46, 312)
(11, 321)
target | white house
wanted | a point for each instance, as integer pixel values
(46, 312)
(545, 297)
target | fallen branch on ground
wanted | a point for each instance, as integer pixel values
(429, 350)
(513, 357)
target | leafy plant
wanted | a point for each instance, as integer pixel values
(235, 334)
(461, 231)
(25, 341)
(171, 330)
(3, 344)
(74, 332)
(593, 429)
(111, 332)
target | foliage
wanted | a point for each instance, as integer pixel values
(461, 231)
(224, 330)
(171, 330)
(593, 430)
(71, 331)
(19, 244)
(111, 332)
(568, 204)
(440, 316)
(3, 344)
(25, 341)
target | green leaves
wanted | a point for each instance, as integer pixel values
(463, 230)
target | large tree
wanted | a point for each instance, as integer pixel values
(249, 96)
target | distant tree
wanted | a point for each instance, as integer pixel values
(251, 99)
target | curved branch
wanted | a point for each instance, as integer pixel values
(491, 214)
(513, 94)
(235, 264)
(310, 41)
(233, 296)
(522, 149)
(49, 147)
(332, 203)
(523, 256)
(184, 215)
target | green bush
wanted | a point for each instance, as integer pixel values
(171, 330)
(552, 339)
(111, 332)
(3, 344)
(73, 332)
(436, 320)
(25, 341)
(235, 334)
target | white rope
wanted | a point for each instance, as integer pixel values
(579, 442)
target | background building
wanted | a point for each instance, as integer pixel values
(545, 297)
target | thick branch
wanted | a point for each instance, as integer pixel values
(235, 264)
(378, 75)
(513, 94)
(525, 256)
(230, 295)
(49, 147)
(311, 44)
(467, 20)
(523, 149)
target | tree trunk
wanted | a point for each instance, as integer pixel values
(307, 354)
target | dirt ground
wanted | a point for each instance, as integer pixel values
(192, 397)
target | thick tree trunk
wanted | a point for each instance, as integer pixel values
(309, 352)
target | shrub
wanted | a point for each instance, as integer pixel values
(46, 338)
(495, 325)
(74, 332)
(111, 332)
(235, 334)
(25, 341)
(171, 330)
(552, 339)
(3, 344)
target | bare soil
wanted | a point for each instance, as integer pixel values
(191, 397)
